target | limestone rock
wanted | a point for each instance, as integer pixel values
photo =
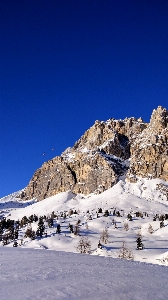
(105, 152)
(149, 152)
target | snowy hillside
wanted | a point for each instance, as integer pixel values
(44, 266)
(131, 207)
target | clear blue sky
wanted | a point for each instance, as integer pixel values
(65, 64)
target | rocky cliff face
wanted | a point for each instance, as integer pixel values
(149, 152)
(106, 151)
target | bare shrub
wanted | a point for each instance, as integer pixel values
(84, 245)
(125, 252)
(126, 226)
(70, 213)
(150, 229)
(104, 236)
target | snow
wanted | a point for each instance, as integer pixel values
(50, 267)
(45, 275)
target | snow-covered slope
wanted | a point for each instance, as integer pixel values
(52, 275)
(125, 198)
(46, 268)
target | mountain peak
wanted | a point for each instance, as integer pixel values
(107, 151)
(159, 119)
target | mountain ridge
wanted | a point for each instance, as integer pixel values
(106, 152)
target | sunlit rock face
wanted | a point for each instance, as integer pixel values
(149, 152)
(105, 152)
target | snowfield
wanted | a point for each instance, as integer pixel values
(51, 267)
(44, 275)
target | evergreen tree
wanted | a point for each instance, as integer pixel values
(161, 224)
(99, 245)
(5, 239)
(154, 218)
(118, 214)
(41, 227)
(35, 218)
(58, 228)
(140, 245)
(16, 233)
(129, 216)
(50, 222)
(30, 233)
(3, 223)
(30, 219)
(15, 244)
(11, 232)
(106, 213)
(24, 220)
(71, 228)
(1, 232)
(161, 218)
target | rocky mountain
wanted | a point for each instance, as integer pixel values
(149, 151)
(107, 152)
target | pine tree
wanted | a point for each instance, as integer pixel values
(11, 232)
(41, 227)
(30, 233)
(1, 228)
(71, 228)
(50, 222)
(5, 239)
(16, 233)
(58, 228)
(24, 220)
(140, 245)
(161, 224)
(106, 213)
(99, 245)
(35, 218)
(129, 216)
(15, 244)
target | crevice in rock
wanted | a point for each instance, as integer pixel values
(73, 173)
(48, 185)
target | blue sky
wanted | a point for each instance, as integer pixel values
(65, 64)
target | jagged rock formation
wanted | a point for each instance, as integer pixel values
(103, 154)
(149, 152)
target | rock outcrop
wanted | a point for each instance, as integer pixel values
(149, 152)
(106, 152)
